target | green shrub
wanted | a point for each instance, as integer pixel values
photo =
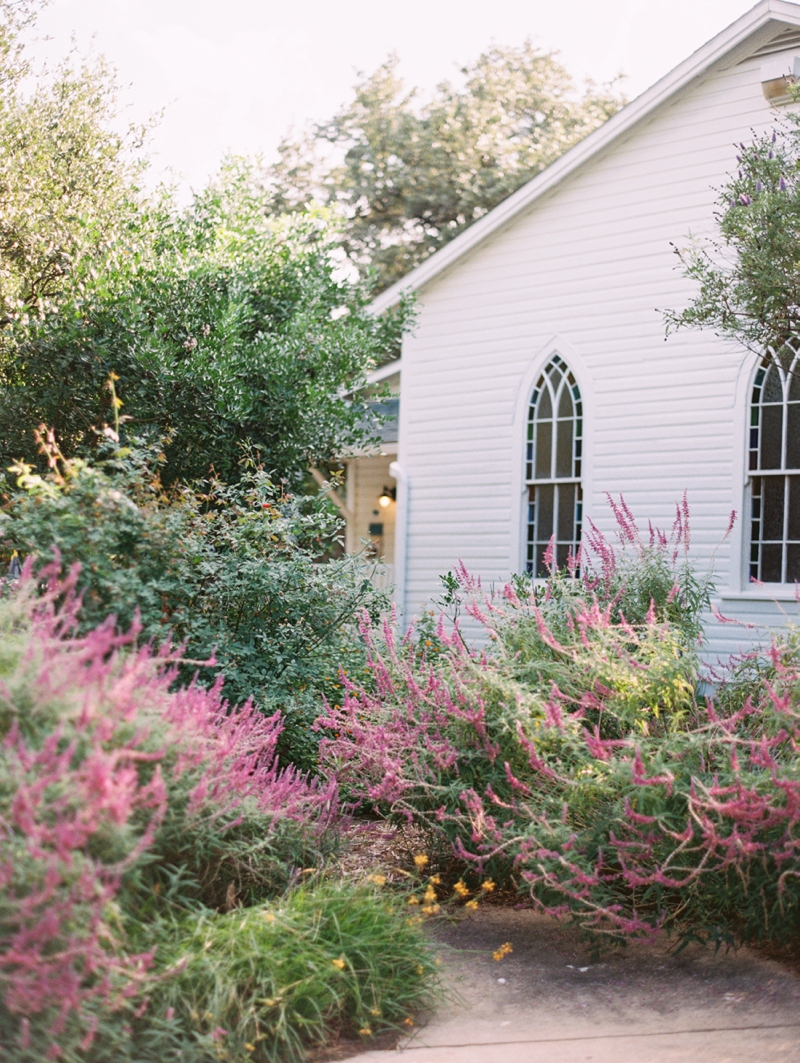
(239, 572)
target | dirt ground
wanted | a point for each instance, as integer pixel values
(546, 1002)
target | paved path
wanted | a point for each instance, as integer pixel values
(547, 1003)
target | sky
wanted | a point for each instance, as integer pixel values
(236, 75)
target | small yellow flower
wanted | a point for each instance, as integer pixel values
(488, 885)
(430, 909)
(339, 964)
(461, 889)
(472, 905)
(377, 880)
(268, 917)
(408, 1021)
(430, 895)
(503, 951)
(365, 1031)
(413, 900)
(249, 1047)
(375, 1011)
(420, 860)
(420, 969)
(435, 880)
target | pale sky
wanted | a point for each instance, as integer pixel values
(236, 74)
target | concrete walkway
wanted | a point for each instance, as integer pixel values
(547, 1003)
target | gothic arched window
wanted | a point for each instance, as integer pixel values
(775, 472)
(553, 467)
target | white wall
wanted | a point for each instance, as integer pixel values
(591, 264)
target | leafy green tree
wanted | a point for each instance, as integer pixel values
(224, 325)
(412, 177)
(226, 328)
(749, 276)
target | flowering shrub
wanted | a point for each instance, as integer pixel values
(113, 785)
(573, 755)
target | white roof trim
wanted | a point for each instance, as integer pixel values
(714, 51)
(385, 371)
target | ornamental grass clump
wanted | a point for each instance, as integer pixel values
(264, 983)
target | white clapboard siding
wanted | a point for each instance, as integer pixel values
(591, 263)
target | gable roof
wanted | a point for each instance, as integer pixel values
(770, 26)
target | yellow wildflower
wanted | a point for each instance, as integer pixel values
(430, 909)
(488, 885)
(375, 1011)
(365, 1031)
(503, 951)
(339, 964)
(377, 880)
(420, 969)
(461, 889)
(268, 917)
(420, 860)
(430, 895)
(249, 1047)
(435, 880)
(413, 900)
(408, 1021)
(472, 905)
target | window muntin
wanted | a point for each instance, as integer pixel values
(774, 465)
(553, 467)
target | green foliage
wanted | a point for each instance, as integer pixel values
(413, 177)
(749, 282)
(328, 960)
(238, 572)
(224, 324)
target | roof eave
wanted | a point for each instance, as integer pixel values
(723, 46)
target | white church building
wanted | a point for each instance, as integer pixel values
(538, 377)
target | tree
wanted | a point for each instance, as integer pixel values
(222, 325)
(411, 178)
(749, 277)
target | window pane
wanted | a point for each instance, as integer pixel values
(544, 512)
(544, 407)
(793, 436)
(771, 430)
(565, 404)
(564, 449)
(566, 513)
(773, 389)
(794, 508)
(562, 554)
(771, 563)
(792, 562)
(794, 383)
(773, 507)
(544, 442)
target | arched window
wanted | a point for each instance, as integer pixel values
(775, 471)
(553, 467)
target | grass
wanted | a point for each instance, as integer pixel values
(266, 983)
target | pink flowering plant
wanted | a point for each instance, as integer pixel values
(113, 786)
(572, 755)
